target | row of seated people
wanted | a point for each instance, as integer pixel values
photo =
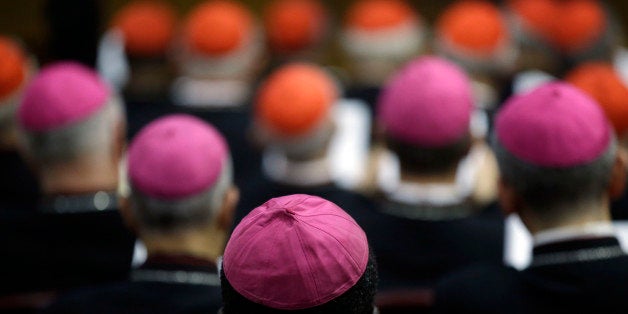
(436, 191)
(205, 71)
(434, 215)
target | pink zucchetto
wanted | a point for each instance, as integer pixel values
(176, 156)
(295, 252)
(428, 103)
(61, 94)
(554, 126)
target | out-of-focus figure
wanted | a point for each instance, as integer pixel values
(181, 206)
(298, 254)
(219, 56)
(378, 37)
(475, 35)
(602, 82)
(71, 131)
(297, 30)
(135, 57)
(437, 186)
(314, 141)
(560, 166)
(555, 34)
(146, 29)
(18, 186)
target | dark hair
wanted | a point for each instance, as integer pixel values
(429, 160)
(554, 188)
(357, 300)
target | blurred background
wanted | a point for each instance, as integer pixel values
(28, 19)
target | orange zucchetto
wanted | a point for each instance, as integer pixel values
(474, 26)
(12, 66)
(600, 81)
(292, 25)
(148, 27)
(568, 25)
(582, 22)
(536, 15)
(295, 98)
(218, 27)
(379, 14)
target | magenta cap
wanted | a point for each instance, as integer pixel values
(555, 125)
(60, 95)
(427, 103)
(176, 156)
(295, 252)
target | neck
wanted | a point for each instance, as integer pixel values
(448, 177)
(83, 176)
(205, 243)
(316, 155)
(311, 171)
(575, 219)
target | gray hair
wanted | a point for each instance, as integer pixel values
(162, 216)
(304, 146)
(88, 137)
(549, 189)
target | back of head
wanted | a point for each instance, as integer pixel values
(569, 27)
(294, 105)
(300, 254)
(425, 112)
(147, 26)
(600, 81)
(220, 38)
(555, 149)
(68, 113)
(474, 34)
(179, 171)
(293, 26)
(146, 30)
(378, 36)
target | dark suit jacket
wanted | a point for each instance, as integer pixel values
(164, 284)
(44, 250)
(417, 253)
(578, 276)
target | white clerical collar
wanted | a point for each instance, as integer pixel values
(389, 181)
(590, 230)
(280, 169)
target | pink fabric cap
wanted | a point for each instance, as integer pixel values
(60, 95)
(175, 157)
(295, 252)
(555, 125)
(427, 103)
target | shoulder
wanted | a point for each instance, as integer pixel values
(140, 298)
(489, 288)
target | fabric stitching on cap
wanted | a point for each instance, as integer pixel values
(355, 263)
(243, 249)
(314, 279)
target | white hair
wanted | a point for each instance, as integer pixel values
(304, 146)
(89, 137)
(158, 215)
